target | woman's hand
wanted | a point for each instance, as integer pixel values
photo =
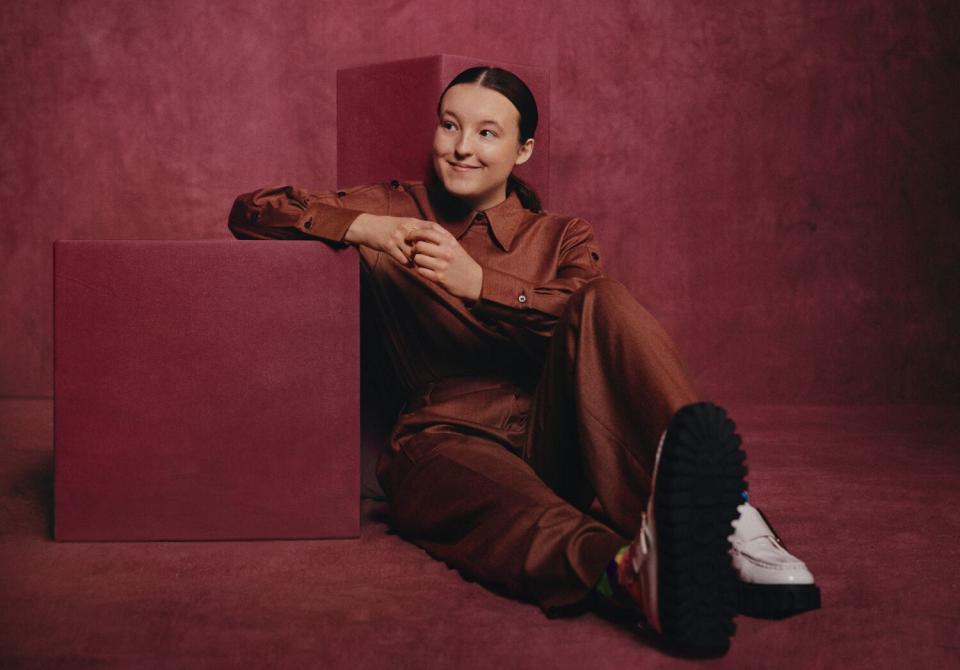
(386, 233)
(438, 256)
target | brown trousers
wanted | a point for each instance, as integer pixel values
(497, 480)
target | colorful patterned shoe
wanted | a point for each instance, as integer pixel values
(678, 567)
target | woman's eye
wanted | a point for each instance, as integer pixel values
(487, 130)
(445, 124)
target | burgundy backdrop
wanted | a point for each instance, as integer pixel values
(775, 180)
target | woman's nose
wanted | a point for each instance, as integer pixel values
(463, 146)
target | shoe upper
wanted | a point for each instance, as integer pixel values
(759, 555)
(638, 571)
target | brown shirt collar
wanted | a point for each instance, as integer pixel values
(504, 218)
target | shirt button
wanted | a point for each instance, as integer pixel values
(522, 298)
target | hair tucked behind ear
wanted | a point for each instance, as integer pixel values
(512, 87)
(527, 195)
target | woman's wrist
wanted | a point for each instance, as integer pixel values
(357, 232)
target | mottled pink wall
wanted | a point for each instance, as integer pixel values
(776, 180)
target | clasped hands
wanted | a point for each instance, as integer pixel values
(425, 246)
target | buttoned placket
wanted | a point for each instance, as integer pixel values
(481, 223)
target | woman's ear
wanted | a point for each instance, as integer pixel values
(526, 150)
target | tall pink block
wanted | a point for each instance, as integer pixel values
(205, 390)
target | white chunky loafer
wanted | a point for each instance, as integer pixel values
(678, 567)
(773, 583)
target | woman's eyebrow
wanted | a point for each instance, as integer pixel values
(447, 111)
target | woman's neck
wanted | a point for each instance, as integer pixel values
(458, 206)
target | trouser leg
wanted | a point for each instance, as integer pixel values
(611, 382)
(484, 511)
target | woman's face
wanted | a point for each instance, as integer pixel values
(477, 143)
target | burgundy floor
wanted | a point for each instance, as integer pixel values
(868, 496)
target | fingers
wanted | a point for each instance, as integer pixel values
(425, 234)
(398, 256)
(425, 261)
(428, 273)
(423, 247)
(402, 247)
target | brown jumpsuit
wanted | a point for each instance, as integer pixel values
(522, 406)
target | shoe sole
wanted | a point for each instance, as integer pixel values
(699, 477)
(777, 601)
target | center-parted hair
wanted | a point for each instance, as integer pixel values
(512, 87)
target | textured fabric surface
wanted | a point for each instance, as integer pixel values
(785, 168)
(866, 496)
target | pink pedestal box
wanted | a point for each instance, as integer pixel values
(205, 390)
(386, 118)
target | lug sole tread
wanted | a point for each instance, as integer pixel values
(697, 493)
(777, 601)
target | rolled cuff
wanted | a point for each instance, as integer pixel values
(327, 221)
(502, 291)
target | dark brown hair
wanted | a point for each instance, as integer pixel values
(512, 87)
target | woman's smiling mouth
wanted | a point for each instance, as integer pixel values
(461, 167)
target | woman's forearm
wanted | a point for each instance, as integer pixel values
(359, 230)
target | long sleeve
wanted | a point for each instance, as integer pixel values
(528, 312)
(292, 213)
